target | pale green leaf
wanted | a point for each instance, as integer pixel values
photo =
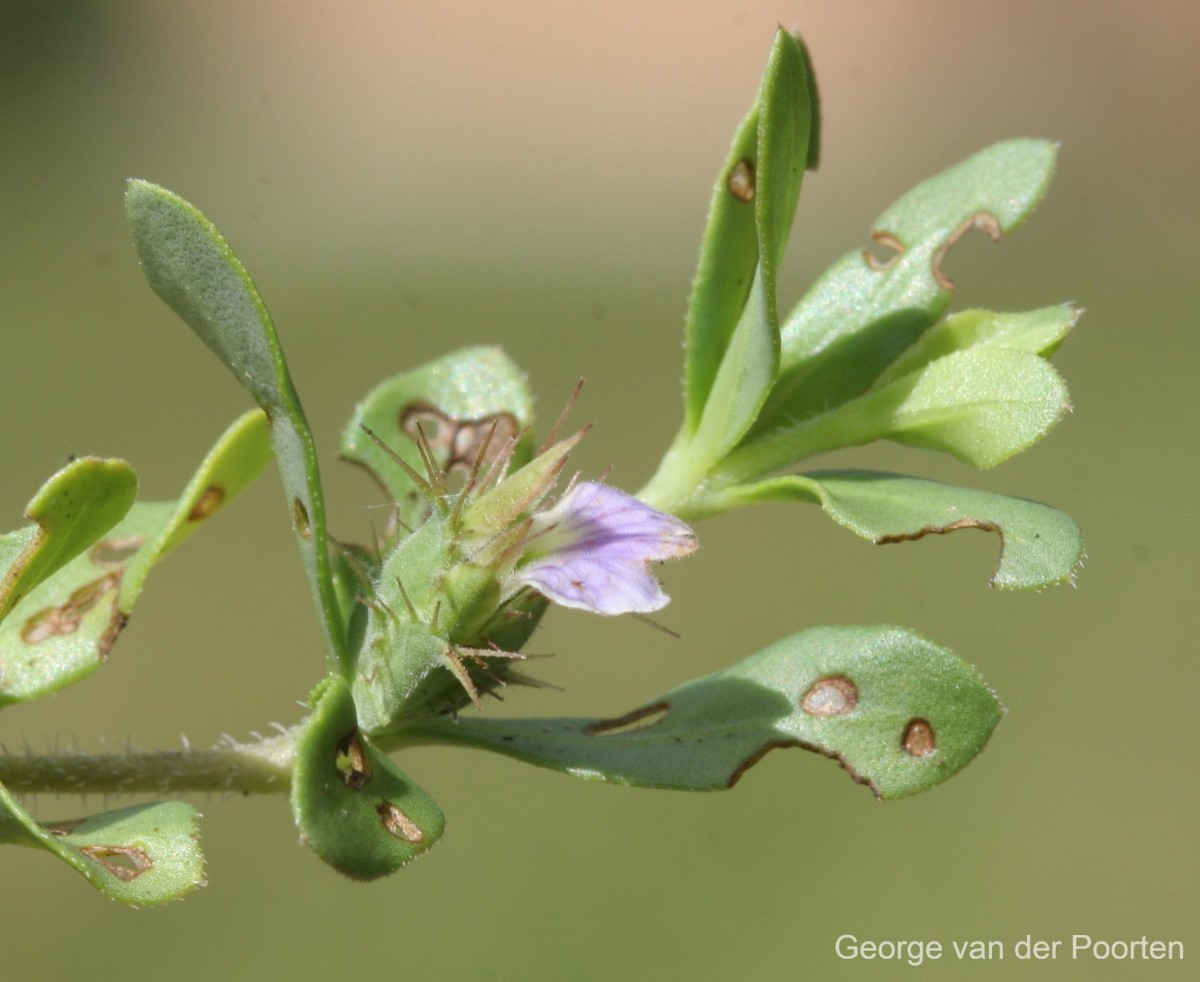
(190, 266)
(864, 312)
(461, 402)
(1039, 546)
(71, 511)
(982, 406)
(63, 629)
(1037, 331)
(900, 713)
(142, 855)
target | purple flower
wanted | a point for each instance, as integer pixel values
(592, 551)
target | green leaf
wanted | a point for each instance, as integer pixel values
(982, 406)
(863, 313)
(1039, 546)
(751, 213)
(234, 463)
(353, 807)
(72, 510)
(142, 855)
(750, 361)
(190, 266)
(1037, 331)
(63, 629)
(461, 401)
(899, 712)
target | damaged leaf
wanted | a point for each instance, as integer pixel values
(900, 713)
(72, 510)
(64, 627)
(459, 402)
(142, 855)
(352, 806)
(863, 312)
(1039, 546)
(742, 358)
(191, 267)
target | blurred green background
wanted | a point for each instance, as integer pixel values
(405, 178)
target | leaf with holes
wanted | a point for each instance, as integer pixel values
(70, 511)
(748, 357)
(863, 313)
(1039, 546)
(191, 267)
(900, 713)
(63, 628)
(462, 403)
(730, 248)
(142, 855)
(353, 807)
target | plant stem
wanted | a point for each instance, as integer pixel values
(262, 767)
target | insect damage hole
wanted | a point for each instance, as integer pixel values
(351, 762)
(639, 719)
(832, 696)
(124, 862)
(919, 740)
(888, 241)
(68, 617)
(300, 519)
(399, 824)
(982, 221)
(741, 180)
(112, 553)
(209, 501)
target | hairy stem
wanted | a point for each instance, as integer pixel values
(261, 767)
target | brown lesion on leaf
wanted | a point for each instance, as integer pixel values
(209, 501)
(124, 862)
(458, 441)
(300, 519)
(962, 523)
(766, 748)
(639, 719)
(113, 553)
(352, 764)
(888, 241)
(66, 618)
(918, 740)
(832, 696)
(982, 221)
(741, 180)
(399, 824)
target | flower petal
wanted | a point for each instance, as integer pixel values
(591, 551)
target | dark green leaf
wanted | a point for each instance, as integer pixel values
(353, 807)
(751, 213)
(900, 713)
